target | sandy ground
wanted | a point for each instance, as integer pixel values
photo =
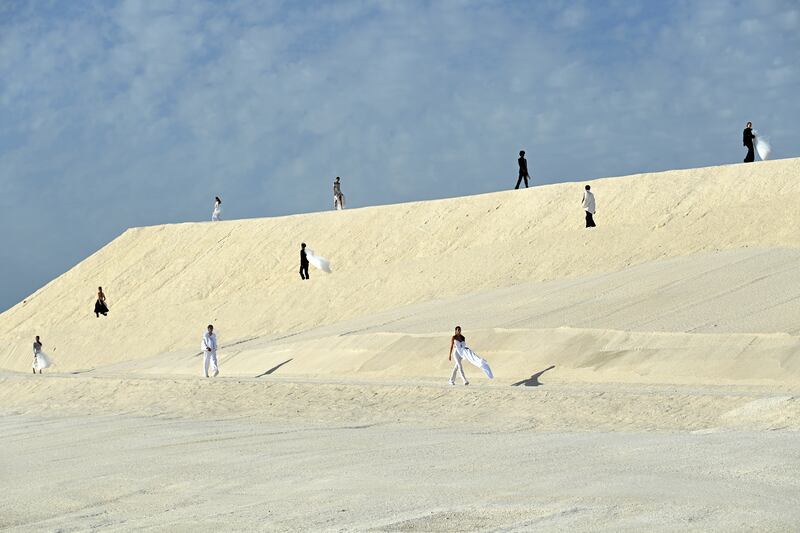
(647, 375)
(354, 457)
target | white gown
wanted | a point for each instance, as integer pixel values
(762, 147)
(320, 263)
(461, 349)
(41, 361)
(217, 212)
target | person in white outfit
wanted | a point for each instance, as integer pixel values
(217, 209)
(40, 360)
(210, 352)
(338, 197)
(459, 351)
(589, 207)
(456, 353)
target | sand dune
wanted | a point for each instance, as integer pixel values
(165, 283)
(647, 373)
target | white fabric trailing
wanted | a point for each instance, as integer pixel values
(320, 263)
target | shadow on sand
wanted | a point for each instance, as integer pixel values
(273, 369)
(533, 381)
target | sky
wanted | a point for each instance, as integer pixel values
(116, 114)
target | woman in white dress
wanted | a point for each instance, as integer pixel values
(40, 361)
(458, 351)
(217, 209)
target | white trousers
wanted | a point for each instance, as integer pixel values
(210, 358)
(457, 369)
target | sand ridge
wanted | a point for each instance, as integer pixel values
(165, 283)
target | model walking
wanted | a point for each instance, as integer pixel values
(303, 262)
(210, 352)
(100, 307)
(217, 209)
(523, 170)
(338, 197)
(747, 140)
(40, 360)
(458, 351)
(589, 207)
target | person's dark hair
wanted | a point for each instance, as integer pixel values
(100, 289)
(522, 152)
(749, 124)
(302, 245)
(337, 177)
(458, 328)
(587, 187)
(211, 326)
(217, 199)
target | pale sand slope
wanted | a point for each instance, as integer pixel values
(656, 360)
(725, 317)
(166, 283)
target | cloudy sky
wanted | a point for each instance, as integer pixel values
(131, 113)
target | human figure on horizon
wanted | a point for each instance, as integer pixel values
(523, 170)
(303, 262)
(210, 352)
(217, 209)
(338, 197)
(459, 351)
(747, 140)
(40, 360)
(100, 307)
(589, 207)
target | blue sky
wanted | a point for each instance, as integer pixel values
(120, 114)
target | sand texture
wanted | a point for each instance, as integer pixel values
(647, 371)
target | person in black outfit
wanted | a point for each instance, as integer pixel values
(523, 170)
(303, 262)
(747, 140)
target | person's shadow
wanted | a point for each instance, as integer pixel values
(273, 369)
(533, 381)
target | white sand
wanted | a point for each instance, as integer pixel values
(655, 357)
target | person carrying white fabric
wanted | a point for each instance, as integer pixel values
(217, 209)
(210, 352)
(40, 360)
(338, 197)
(589, 207)
(459, 351)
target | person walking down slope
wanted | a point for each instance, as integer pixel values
(217, 209)
(459, 351)
(210, 352)
(747, 140)
(523, 170)
(100, 307)
(40, 361)
(303, 262)
(338, 197)
(589, 207)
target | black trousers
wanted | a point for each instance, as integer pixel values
(304, 271)
(519, 180)
(751, 154)
(590, 220)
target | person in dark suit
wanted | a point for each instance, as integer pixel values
(303, 262)
(523, 170)
(747, 140)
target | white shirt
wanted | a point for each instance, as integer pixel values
(588, 202)
(209, 341)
